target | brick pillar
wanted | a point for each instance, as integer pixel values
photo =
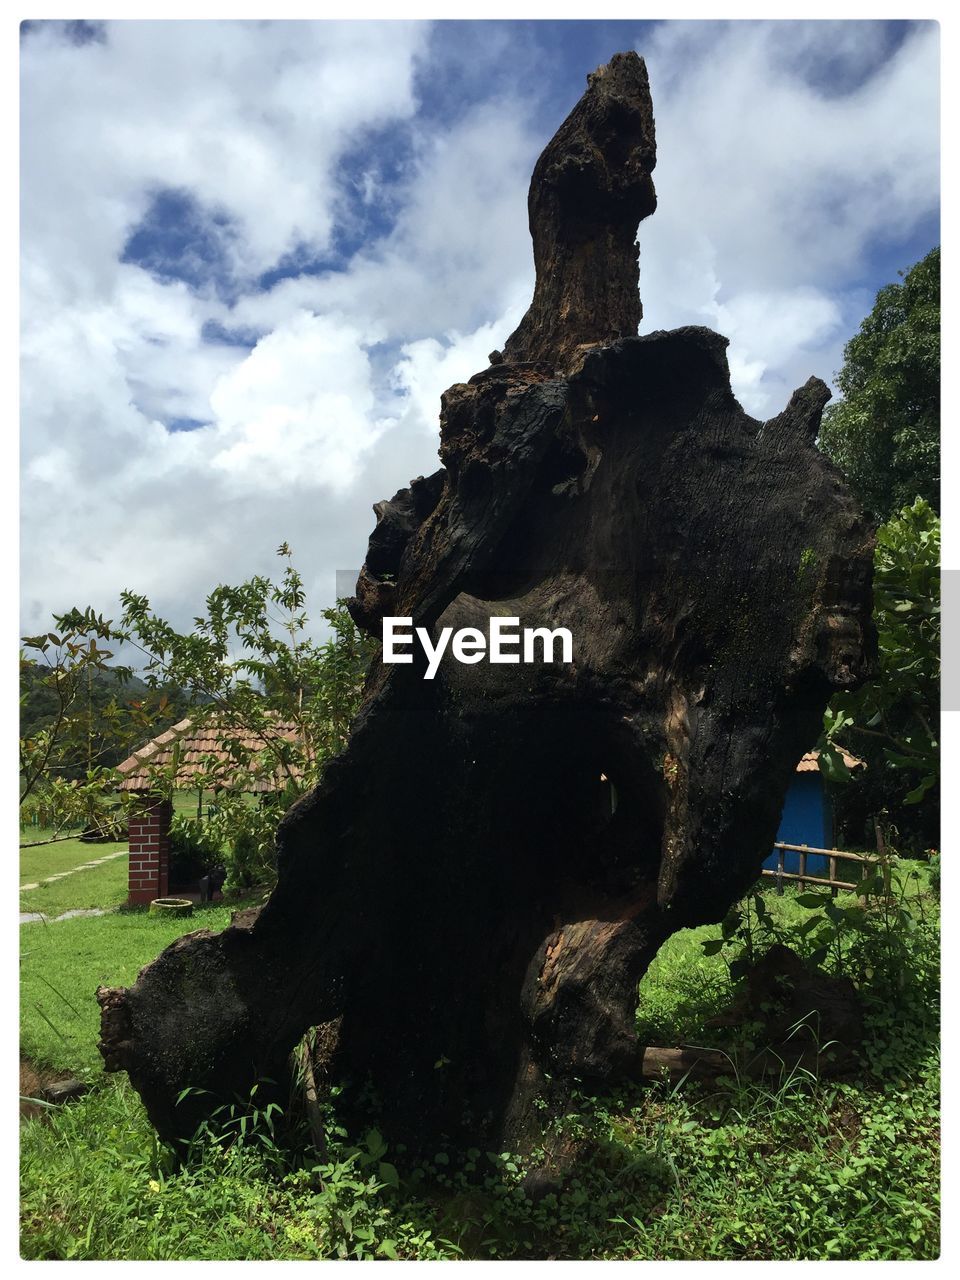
(149, 849)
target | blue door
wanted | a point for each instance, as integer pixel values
(806, 819)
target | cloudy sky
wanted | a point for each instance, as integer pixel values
(254, 254)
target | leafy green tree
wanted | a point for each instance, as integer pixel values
(282, 702)
(893, 722)
(80, 715)
(72, 727)
(885, 432)
(250, 664)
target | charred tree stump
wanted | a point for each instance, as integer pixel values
(482, 877)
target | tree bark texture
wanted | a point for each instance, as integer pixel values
(481, 879)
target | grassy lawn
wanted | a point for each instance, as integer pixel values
(683, 987)
(49, 859)
(185, 802)
(104, 886)
(790, 1168)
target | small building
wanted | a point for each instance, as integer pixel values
(807, 816)
(187, 756)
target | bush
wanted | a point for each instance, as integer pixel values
(247, 835)
(194, 850)
(246, 865)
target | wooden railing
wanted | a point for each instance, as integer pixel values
(835, 856)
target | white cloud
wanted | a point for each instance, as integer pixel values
(773, 190)
(771, 194)
(768, 331)
(250, 117)
(459, 252)
(297, 412)
(247, 117)
(427, 367)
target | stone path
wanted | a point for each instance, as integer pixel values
(84, 866)
(34, 917)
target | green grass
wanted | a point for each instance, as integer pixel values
(62, 965)
(98, 1186)
(48, 859)
(104, 886)
(739, 1169)
(681, 990)
(185, 802)
(683, 987)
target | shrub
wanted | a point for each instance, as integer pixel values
(247, 835)
(194, 850)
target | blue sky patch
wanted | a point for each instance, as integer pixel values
(835, 75)
(185, 424)
(546, 62)
(303, 262)
(371, 179)
(178, 239)
(222, 335)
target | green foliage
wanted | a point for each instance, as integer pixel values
(794, 1167)
(79, 717)
(894, 720)
(247, 835)
(869, 934)
(885, 433)
(282, 702)
(98, 1185)
(935, 875)
(281, 676)
(194, 849)
(67, 733)
(280, 679)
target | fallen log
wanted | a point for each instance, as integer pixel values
(684, 1063)
(688, 1063)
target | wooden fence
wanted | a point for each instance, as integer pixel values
(835, 855)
